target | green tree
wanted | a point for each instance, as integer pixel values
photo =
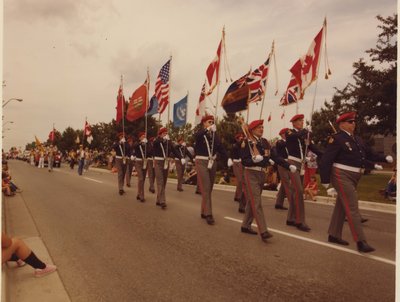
(372, 94)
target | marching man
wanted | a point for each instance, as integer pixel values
(141, 150)
(297, 140)
(284, 190)
(180, 161)
(256, 156)
(207, 145)
(342, 165)
(121, 147)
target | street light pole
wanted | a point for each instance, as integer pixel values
(5, 103)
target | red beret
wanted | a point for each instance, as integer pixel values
(297, 117)
(255, 124)
(140, 134)
(162, 130)
(207, 117)
(239, 136)
(346, 116)
(121, 134)
(283, 131)
(151, 139)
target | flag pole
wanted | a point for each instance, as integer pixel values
(169, 105)
(146, 105)
(84, 129)
(266, 80)
(123, 111)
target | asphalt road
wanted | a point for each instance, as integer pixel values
(113, 248)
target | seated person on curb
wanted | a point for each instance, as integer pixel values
(390, 191)
(5, 185)
(311, 189)
(13, 249)
(225, 179)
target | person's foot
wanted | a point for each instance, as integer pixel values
(137, 197)
(128, 185)
(180, 189)
(364, 220)
(142, 199)
(303, 227)
(121, 192)
(236, 199)
(364, 247)
(290, 223)
(152, 191)
(203, 216)
(163, 206)
(337, 240)
(210, 220)
(18, 190)
(279, 207)
(198, 192)
(266, 235)
(158, 204)
(45, 271)
(20, 263)
(240, 210)
(248, 231)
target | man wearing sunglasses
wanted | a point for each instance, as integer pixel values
(207, 145)
(342, 165)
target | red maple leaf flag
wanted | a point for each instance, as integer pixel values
(213, 69)
(162, 87)
(201, 107)
(138, 103)
(120, 105)
(88, 132)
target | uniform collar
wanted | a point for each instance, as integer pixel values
(348, 133)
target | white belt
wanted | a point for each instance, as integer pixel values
(237, 160)
(117, 156)
(176, 158)
(139, 159)
(254, 168)
(349, 168)
(205, 157)
(295, 158)
(159, 158)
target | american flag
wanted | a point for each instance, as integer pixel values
(257, 82)
(162, 87)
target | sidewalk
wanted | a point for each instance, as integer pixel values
(19, 283)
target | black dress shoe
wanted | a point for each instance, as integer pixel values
(363, 247)
(303, 227)
(158, 204)
(337, 240)
(152, 191)
(364, 220)
(137, 197)
(210, 220)
(203, 216)
(266, 235)
(236, 199)
(198, 192)
(290, 223)
(279, 207)
(248, 231)
(163, 206)
(241, 210)
(142, 200)
(180, 190)
(128, 185)
(121, 192)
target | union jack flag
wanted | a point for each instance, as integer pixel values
(292, 94)
(162, 87)
(257, 81)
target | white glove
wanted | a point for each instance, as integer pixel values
(257, 158)
(326, 186)
(183, 161)
(271, 162)
(212, 128)
(292, 168)
(132, 158)
(331, 192)
(144, 140)
(308, 159)
(230, 162)
(166, 137)
(123, 140)
(378, 167)
(308, 128)
(389, 159)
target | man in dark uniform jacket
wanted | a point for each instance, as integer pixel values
(207, 145)
(342, 165)
(130, 161)
(235, 162)
(162, 148)
(180, 161)
(297, 140)
(141, 151)
(256, 156)
(151, 174)
(284, 190)
(121, 148)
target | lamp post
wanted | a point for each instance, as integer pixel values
(5, 103)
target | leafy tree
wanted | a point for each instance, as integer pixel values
(373, 93)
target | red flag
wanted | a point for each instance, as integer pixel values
(162, 87)
(120, 105)
(269, 117)
(87, 130)
(213, 69)
(51, 135)
(138, 103)
(201, 107)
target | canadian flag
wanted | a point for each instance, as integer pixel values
(213, 69)
(305, 70)
(88, 133)
(201, 107)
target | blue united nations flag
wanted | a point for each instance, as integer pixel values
(152, 106)
(180, 109)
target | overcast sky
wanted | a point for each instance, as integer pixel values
(65, 58)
